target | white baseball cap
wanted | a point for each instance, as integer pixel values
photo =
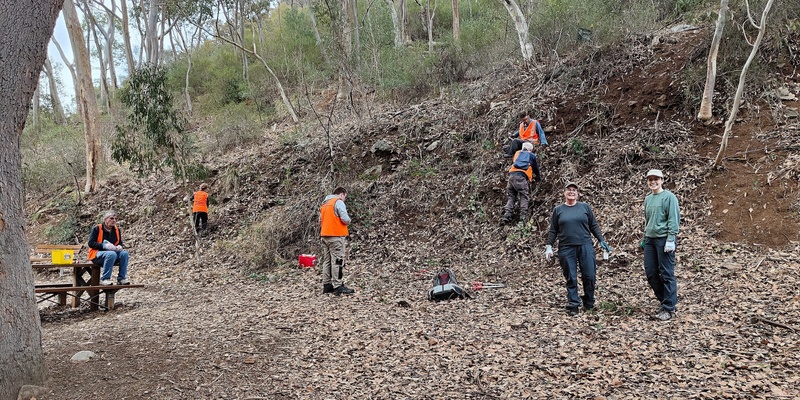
(655, 172)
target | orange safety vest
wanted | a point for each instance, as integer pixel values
(330, 224)
(528, 172)
(93, 252)
(529, 133)
(200, 202)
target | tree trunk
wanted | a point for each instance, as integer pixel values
(737, 100)
(126, 37)
(456, 23)
(71, 69)
(314, 26)
(110, 35)
(404, 21)
(245, 64)
(188, 52)
(356, 34)
(521, 25)
(25, 27)
(151, 34)
(91, 23)
(84, 95)
(35, 111)
(711, 73)
(347, 32)
(396, 23)
(55, 99)
(429, 15)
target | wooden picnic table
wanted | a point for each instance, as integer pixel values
(85, 280)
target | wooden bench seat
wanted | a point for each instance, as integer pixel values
(47, 291)
(74, 265)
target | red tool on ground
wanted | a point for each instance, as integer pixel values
(487, 285)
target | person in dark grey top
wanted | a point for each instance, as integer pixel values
(573, 224)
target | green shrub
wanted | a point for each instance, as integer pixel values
(272, 241)
(53, 157)
(235, 125)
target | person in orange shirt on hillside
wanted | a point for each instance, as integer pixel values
(200, 209)
(333, 221)
(530, 130)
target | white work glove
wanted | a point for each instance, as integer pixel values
(118, 248)
(108, 246)
(669, 247)
(548, 252)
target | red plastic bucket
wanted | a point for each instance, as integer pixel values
(307, 260)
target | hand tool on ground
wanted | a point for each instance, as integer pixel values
(486, 285)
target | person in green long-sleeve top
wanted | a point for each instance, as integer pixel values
(662, 219)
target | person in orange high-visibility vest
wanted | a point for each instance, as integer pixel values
(106, 249)
(200, 209)
(530, 131)
(520, 175)
(333, 221)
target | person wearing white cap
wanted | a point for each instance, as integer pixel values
(520, 176)
(662, 218)
(573, 224)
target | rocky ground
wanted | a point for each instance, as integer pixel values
(229, 317)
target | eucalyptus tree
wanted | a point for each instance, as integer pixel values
(55, 98)
(25, 28)
(84, 94)
(737, 99)
(521, 26)
(711, 71)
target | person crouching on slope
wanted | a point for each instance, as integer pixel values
(520, 176)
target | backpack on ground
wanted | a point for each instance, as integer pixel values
(445, 287)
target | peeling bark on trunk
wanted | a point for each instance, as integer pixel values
(85, 95)
(25, 27)
(711, 73)
(521, 26)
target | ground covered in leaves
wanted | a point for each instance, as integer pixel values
(224, 320)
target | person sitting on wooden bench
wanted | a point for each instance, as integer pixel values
(106, 249)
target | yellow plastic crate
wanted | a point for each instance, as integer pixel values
(63, 256)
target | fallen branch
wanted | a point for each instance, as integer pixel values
(777, 324)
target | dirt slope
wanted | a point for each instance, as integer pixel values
(427, 184)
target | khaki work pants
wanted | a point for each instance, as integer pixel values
(333, 259)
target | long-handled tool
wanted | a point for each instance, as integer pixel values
(486, 285)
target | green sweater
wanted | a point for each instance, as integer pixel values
(661, 215)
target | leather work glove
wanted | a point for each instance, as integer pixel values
(605, 246)
(669, 247)
(548, 252)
